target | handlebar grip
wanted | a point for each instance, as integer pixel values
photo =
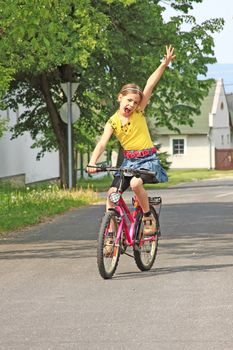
(103, 167)
(99, 168)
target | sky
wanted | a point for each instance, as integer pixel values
(223, 40)
(215, 9)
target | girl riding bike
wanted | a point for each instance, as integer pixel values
(130, 127)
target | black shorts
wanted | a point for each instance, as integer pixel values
(146, 179)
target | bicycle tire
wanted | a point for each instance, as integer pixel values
(145, 253)
(107, 252)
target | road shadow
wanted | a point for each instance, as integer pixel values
(48, 250)
(191, 231)
(171, 270)
(197, 218)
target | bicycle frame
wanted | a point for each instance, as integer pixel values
(124, 212)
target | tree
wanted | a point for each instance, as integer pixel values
(102, 45)
(43, 44)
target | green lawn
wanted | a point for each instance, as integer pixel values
(21, 207)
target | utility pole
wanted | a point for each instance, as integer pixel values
(70, 113)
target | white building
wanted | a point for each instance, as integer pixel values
(209, 142)
(18, 159)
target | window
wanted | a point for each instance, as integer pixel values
(178, 146)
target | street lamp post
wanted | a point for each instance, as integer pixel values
(70, 113)
(70, 140)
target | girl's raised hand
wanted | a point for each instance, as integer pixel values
(168, 57)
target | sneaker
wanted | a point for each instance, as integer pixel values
(149, 225)
(108, 245)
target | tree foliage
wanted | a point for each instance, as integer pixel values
(102, 44)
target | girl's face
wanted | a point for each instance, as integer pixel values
(128, 103)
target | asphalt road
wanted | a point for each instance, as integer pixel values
(52, 296)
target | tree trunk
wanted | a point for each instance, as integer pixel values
(59, 128)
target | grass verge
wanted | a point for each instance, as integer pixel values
(24, 207)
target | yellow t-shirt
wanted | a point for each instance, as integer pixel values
(135, 134)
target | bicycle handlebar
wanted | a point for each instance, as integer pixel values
(134, 172)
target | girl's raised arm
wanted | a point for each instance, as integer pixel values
(155, 77)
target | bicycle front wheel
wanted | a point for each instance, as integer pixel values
(108, 252)
(145, 251)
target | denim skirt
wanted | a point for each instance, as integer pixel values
(150, 163)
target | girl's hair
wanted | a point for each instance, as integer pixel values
(131, 89)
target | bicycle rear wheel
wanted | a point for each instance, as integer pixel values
(108, 252)
(145, 251)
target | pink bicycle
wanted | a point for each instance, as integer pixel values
(122, 228)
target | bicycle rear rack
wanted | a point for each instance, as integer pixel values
(155, 200)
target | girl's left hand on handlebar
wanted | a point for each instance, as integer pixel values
(91, 168)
